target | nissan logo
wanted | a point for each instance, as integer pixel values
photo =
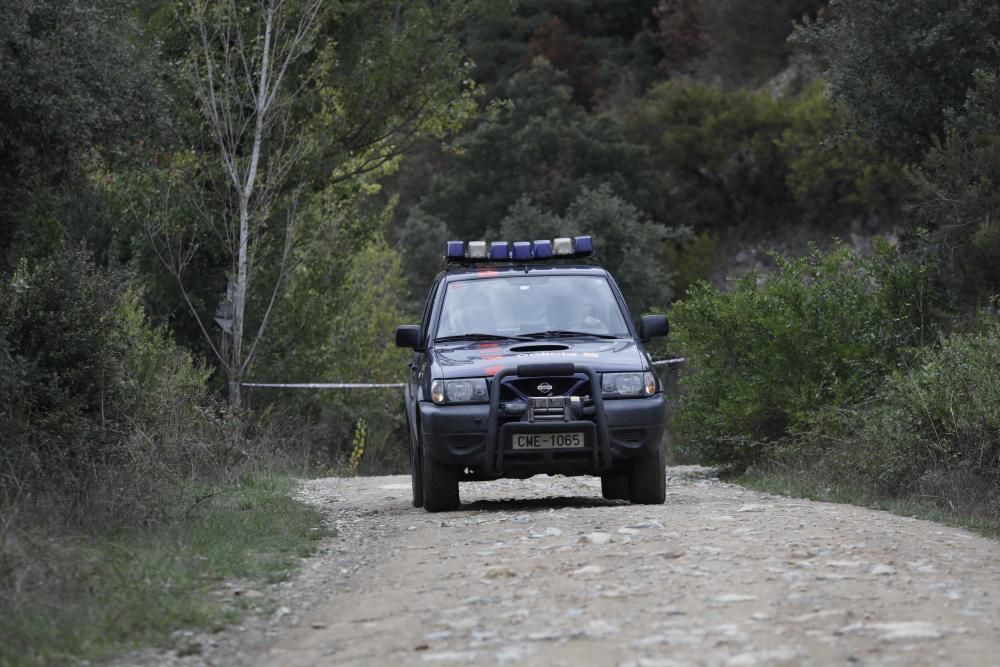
(545, 387)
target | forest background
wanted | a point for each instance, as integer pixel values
(691, 137)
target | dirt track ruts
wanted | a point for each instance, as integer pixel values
(545, 572)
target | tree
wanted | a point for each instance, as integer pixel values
(239, 73)
(680, 33)
(604, 45)
(300, 98)
(725, 159)
(748, 38)
(75, 85)
(626, 244)
(541, 145)
(957, 194)
(332, 325)
(898, 64)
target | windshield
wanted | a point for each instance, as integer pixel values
(512, 306)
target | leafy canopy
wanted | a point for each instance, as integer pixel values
(899, 64)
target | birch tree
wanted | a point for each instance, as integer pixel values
(240, 74)
(300, 96)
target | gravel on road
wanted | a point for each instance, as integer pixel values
(545, 572)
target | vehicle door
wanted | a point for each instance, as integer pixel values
(418, 364)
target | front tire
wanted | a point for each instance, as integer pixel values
(614, 486)
(647, 480)
(440, 484)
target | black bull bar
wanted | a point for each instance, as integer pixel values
(601, 445)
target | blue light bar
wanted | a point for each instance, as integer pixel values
(498, 250)
(455, 251)
(583, 246)
(459, 253)
(543, 249)
(521, 252)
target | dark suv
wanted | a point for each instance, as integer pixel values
(531, 364)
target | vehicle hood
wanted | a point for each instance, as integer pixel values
(468, 359)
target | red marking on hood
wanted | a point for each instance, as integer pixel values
(493, 370)
(487, 351)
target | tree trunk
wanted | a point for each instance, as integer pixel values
(239, 307)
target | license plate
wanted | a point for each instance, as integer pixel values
(548, 441)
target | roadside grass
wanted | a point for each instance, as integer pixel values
(801, 484)
(108, 593)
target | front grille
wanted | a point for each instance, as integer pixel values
(560, 386)
(526, 388)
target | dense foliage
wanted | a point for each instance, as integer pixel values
(899, 65)
(75, 87)
(747, 159)
(957, 195)
(679, 128)
(873, 372)
(933, 426)
(817, 335)
(91, 392)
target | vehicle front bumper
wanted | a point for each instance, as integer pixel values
(457, 435)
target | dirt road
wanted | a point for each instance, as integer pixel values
(545, 572)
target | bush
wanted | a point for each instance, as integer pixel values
(932, 428)
(769, 358)
(95, 406)
(337, 324)
(957, 201)
(618, 230)
(730, 158)
(899, 64)
(690, 260)
(65, 406)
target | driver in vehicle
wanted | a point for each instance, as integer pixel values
(567, 314)
(474, 315)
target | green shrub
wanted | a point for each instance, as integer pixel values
(933, 428)
(831, 174)
(335, 322)
(92, 400)
(725, 158)
(898, 65)
(690, 260)
(618, 230)
(62, 327)
(957, 199)
(715, 152)
(766, 359)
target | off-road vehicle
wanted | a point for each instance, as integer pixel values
(527, 361)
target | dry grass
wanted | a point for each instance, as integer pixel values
(971, 504)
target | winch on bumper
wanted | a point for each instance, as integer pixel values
(489, 440)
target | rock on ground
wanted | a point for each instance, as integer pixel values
(545, 572)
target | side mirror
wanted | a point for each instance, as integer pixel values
(408, 335)
(653, 326)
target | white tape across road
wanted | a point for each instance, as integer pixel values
(377, 385)
(670, 362)
(324, 385)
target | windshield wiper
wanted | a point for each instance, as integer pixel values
(476, 336)
(560, 333)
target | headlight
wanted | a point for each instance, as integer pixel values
(615, 385)
(459, 391)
